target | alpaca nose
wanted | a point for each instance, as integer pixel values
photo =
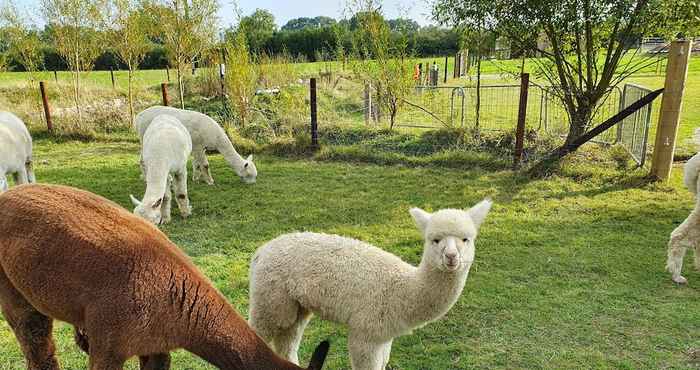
(451, 256)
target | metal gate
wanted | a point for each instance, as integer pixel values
(633, 131)
(433, 107)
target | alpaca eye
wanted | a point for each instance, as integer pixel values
(436, 241)
(465, 240)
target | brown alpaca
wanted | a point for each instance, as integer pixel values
(70, 255)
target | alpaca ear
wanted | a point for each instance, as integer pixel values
(421, 217)
(157, 203)
(135, 201)
(478, 212)
(250, 158)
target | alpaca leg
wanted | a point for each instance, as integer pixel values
(287, 341)
(142, 164)
(697, 256)
(676, 251)
(159, 361)
(3, 183)
(183, 201)
(364, 354)
(165, 205)
(32, 329)
(29, 165)
(200, 166)
(278, 322)
(100, 361)
(21, 177)
(387, 353)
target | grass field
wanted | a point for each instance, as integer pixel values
(568, 274)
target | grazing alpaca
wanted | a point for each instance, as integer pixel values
(166, 145)
(206, 134)
(373, 292)
(69, 255)
(687, 234)
(15, 151)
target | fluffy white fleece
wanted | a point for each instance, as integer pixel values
(373, 292)
(15, 151)
(687, 234)
(206, 134)
(166, 145)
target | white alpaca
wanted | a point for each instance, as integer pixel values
(206, 134)
(687, 234)
(15, 151)
(373, 292)
(166, 145)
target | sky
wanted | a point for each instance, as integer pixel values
(284, 10)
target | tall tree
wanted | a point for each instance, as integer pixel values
(23, 40)
(76, 29)
(258, 29)
(592, 43)
(187, 28)
(129, 37)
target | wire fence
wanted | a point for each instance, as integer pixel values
(633, 131)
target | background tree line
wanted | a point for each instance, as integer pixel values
(310, 39)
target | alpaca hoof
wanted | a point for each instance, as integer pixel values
(210, 182)
(679, 279)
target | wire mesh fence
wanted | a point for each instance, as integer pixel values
(633, 131)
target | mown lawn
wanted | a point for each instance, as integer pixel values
(569, 270)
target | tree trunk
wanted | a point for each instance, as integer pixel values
(131, 98)
(579, 121)
(181, 89)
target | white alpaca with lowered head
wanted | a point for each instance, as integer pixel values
(206, 134)
(166, 145)
(15, 151)
(376, 294)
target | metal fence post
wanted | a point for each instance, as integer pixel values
(368, 103)
(111, 73)
(445, 77)
(522, 113)
(164, 92)
(314, 114)
(47, 110)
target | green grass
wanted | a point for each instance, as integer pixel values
(568, 274)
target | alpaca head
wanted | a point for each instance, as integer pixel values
(150, 212)
(449, 235)
(248, 171)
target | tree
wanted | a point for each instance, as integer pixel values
(187, 28)
(258, 29)
(241, 76)
(23, 41)
(76, 26)
(383, 61)
(129, 38)
(298, 24)
(403, 25)
(589, 43)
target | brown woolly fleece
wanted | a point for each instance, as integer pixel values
(73, 256)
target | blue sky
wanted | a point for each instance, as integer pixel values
(284, 10)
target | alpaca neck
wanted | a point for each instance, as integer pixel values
(225, 147)
(156, 182)
(432, 293)
(225, 340)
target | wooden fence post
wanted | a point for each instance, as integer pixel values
(669, 118)
(314, 114)
(164, 92)
(167, 72)
(522, 114)
(47, 110)
(445, 77)
(111, 73)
